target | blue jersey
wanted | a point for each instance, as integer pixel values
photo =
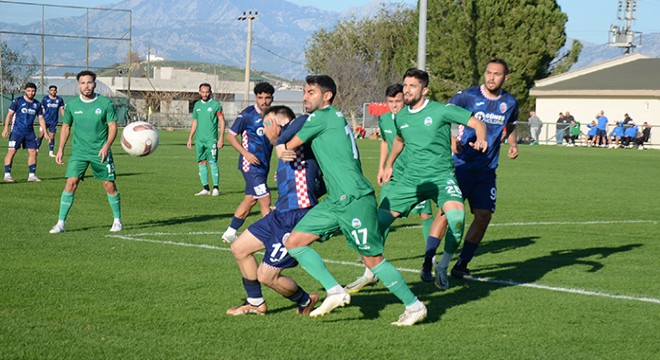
(51, 109)
(26, 112)
(249, 125)
(496, 113)
(299, 182)
(632, 131)
(602, 123)
(617, 131)
(592, 130)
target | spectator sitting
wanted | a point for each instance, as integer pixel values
(615, 135)
(574, 131)
(359, 132)
(629, 135)
(591, 134)
(645, 136)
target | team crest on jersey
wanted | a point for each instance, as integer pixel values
(428, 121)
(356, 223)
(209, 110)
(260, 131)
(98, 111)
(503, 107)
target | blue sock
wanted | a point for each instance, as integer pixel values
(51, 145)
(236, 223)
(7, 169)
(32, 168)
(39, 142)
(300, 297)
(252, 288)
(467, 253)
(432, 244)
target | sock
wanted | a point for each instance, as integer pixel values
(253, 290)
(51, 145)
(215, 173)
(467, 253)
(32, 169)
(368, 273)
(385, 219)
(426, 228)
(235, 224)
(8, 169)
(312, 262)
(446, 258)
(204, 176)
(300, 297)
(66, 201)
(432, 244)
(115, 205)
(392, 278)
(39, 143)
(456, 222)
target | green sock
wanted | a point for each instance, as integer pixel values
(426, 227)
(311, 261)
(115, 205)
(451, 243)
(66, 201)
(204, 175)
(392, 278)
(215, 173)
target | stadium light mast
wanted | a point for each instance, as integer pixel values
(623, 36)
(421, 39)
(249, 16)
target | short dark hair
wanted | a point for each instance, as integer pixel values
(52, 87)
(501, 62)
(393, 90)
(30, 85)
(280, 110)
(264, 87)
(418, 74)
(86, 73)
(324, 82)
(205, 85)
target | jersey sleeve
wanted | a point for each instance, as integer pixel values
(110, 114)
(61, 103)
(239, 124)
(513, 119)
(67, 119)
(460, 99)
(194, 114)
(14, 105)
(456, 114)
(291, 130)
(311, 128)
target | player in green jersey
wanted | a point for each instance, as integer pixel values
(208, 129)
(349, 206)
(394, 97)
(93, 121)
(423, 136)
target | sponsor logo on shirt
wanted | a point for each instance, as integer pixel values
(356, 223)
(480, 103)
(258, 121)
(260, 131)
(339, 114)
(78, 112)
(490, 118)
(404, 126)
(428, 121)
(388, 131)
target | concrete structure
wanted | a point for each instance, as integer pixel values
(630, 84)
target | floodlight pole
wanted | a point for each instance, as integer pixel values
(421, 39)
(249, 16)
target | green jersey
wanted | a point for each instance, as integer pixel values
(426, 133)
(206, 114)
(89, 122)
(334, 146)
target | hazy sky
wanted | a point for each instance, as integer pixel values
(588, 20)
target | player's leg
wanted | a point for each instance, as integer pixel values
(243, 250)
(202, 153)
(51, 144)
(9, 158)
(215, 169)
(105, 171)
(32, 165)
(241, 213)
(287, 287)
(264, 204)
(436, 233)
(66, 199)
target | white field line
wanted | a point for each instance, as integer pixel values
(550, 223)
(138, 237)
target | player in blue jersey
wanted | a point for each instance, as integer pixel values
(254, 157)
(23, 111)
(299, 185)
(601, 129)
(475, 171)
(53, 107)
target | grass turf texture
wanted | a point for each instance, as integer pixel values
(87, 293)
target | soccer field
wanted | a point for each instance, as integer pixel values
(567, 268)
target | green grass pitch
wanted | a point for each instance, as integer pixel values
(568, 268)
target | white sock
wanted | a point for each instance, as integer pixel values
(337, 289)
(60, 222)
(446, 258)
(255, 301)
(416, 306)
(31, 174)
(230, 231)
(7, 174)
(368, 273)
(117, 221)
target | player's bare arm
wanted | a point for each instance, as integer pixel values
(287, 152)
(480, 129)
(64, 137)
(112, 134)
(381, 163)
(397, 147)
(221, 130)
(5, 131)
(193, 129)
(42, 123)
(512, 139)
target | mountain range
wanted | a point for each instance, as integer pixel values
(209, 31)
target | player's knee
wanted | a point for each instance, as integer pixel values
(267, 276)
(456, 219)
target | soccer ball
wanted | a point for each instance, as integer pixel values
(139, 138)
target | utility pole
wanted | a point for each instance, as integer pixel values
(249, 16)
(421, 39)
(623, 36)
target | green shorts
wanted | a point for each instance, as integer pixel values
(358, 220)
(207, 150)
(423, 207)
(402, 198)
(77, 166)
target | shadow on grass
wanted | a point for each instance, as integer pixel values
(372, 301)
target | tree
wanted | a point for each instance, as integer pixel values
(360, 55)
(17, 69)
(564, 62)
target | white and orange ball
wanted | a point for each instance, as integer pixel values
(139, 138)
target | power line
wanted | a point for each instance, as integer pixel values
(279, 56)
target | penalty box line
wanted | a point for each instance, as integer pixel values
(140, 238)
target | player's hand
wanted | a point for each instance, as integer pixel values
(387, 174)
(58, 158)
(456, 147)
(103, 154)
(513, 152)
(379, 177)
(221, 143)
(480, 145)
(5, 132)
(272, 130)
(189, 144)
(251, 158)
